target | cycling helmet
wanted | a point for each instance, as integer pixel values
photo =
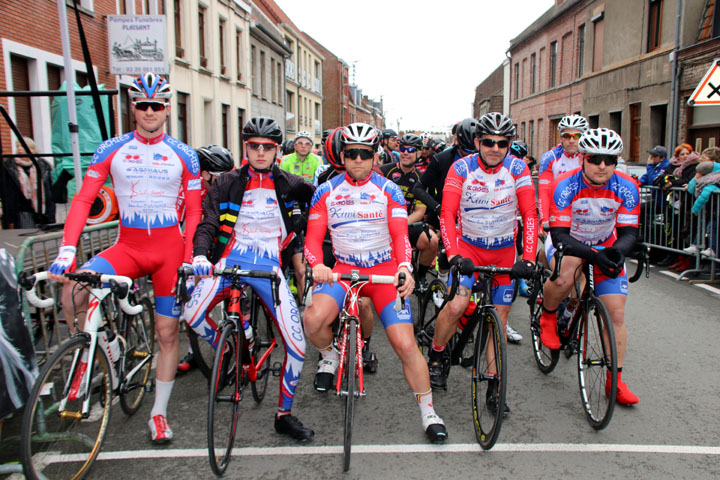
(573, 121)
(287, 147)
(333, 146)
(150, 86)
(495, 123)
(440, 146)
(389, 133)
(412, 140)
(600, 141)
(325, 134)
(519, 149)
(361, 134)
(303, 134)
(214, 158)
(465, 133)
(263, 127)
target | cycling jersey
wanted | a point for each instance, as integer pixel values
(406, 182)
(422, 164)
(553, 163)
(305, 169)
(367, 220)
(486, 200)
(148, 176)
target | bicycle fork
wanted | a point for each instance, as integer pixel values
(344, 344)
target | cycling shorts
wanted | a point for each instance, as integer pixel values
(604, 285)
(139, 252)
(414, 232)
(382, 295)
(502, 292)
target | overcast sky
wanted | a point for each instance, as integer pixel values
(424, 58)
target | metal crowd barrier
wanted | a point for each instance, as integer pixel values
(667, 223)
(36, 254)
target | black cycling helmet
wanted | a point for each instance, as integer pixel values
(439, 146)
(519, 149)
(465, 134)
(287, 147)
(495, 123)
(412, 140)
(216, 159)
(263, 127)
(389, 133)
(333, 146)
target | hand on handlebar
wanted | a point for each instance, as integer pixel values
(522, 269)
(322, 274)
(610, 261)
(65, 260)
(464, 265)
(201, 266)
(406, 288)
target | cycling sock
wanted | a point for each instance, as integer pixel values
(424, 401)
(422, 271)
(162, 397)
(329, 352)
(366, 344)
(437, 348)
(281, 412)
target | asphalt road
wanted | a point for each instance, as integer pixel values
(674, 432)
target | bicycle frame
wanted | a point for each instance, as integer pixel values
(350, 313)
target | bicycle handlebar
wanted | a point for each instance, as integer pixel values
(183, 272)
(491, 270)
(236, 272)
(119, 285)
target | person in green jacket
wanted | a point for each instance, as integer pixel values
(302, 162)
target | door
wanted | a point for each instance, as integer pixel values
(634, 155)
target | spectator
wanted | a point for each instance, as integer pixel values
(532, 164)
(705, 183)
(657, 164)
(19, 190)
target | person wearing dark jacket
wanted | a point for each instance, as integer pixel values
(246, 223)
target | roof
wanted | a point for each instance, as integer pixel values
(551, 14)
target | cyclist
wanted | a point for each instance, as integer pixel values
(214, 161)
(149, 169)
(424, 157)
(592, 207)
(367, 219)
(483, 192)
(389, 143)
(561, 159)
(247, 223)
(406, 176)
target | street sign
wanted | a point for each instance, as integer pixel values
(708, 90)
(138, 44)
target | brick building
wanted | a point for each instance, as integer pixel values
(489, 94)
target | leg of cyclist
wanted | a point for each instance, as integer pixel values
(367, 320)
(555, 292)
(428, 252)
(74, 304)
(208, 292)
(299, 267)
(318, 319)
(445, 327)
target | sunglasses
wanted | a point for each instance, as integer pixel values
(156, 107)
(304, 144)
(609, 160)
(404, 149)
(486, 142)
(576, 136)
(352, 153)
(261, 146)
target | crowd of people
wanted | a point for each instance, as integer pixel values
(355, 206)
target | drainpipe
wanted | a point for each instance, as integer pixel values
(675, 83)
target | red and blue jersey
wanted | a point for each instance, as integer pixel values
(367, 220)
(592, 213)
(553, 163)
(480, 204)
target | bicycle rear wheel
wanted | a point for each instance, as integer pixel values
(424, 318)
(139, 333)
(350, 387)
(545, 358)
(224, 400)
(596, 358)
(56, 441)
(489, 379)
(262, 325)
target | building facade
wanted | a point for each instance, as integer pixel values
(489, 94)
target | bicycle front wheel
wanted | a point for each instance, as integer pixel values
(489, 379)
(350, 387)
(58, 441)
(139, 333)
(597, 358)
(223, 402)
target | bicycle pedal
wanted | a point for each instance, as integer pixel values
(149, 386)
(276, 369)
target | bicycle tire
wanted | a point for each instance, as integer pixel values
(350, 386)
(224, 400)
(486, 390)
(262, 325)
(545, 358)
(596, 341)
(46, 435)
(139, 334)
(424, 319)
(203, 353)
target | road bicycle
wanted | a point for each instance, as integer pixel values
(68, 411)
(243, 356)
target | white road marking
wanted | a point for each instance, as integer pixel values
(670, 274)
(419, 448)
(708, 288)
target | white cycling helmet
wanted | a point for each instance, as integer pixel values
(150, 86)
(600, 141)
(361, 134)
(573, 121)
(303, 134)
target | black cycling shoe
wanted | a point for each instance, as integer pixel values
(491, 398)
(290, 425)
(439, 370)
(436, 432)
(187, 363)
(370, 361)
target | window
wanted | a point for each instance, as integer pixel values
(593, 121)
(238, 54)
(127, 119)
(658, 124)
(654, 24)
(202, 11)
(221, 31)
(54, 75)
(253, 66)
(273, 84)
(523, 130)
(81, 78)
(523, 72)
(21, 83)
(263, 81)
(580, 50)
(533, 73)
(598, 39)
(280, 82)
(122, 8)
(179, 51)
(553, 63)
(182, 117)
(226, 126)
(541, 55)
(615, 122)
(531, 140)
(241, 124)
(517, 81)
